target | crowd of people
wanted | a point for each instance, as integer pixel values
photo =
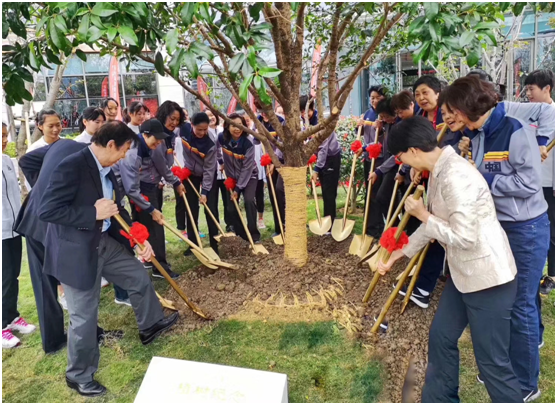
(488, 220)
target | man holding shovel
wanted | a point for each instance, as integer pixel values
(80, 248)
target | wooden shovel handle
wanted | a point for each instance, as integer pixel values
(190, 216)
(369, 187)
(275, 201)
(400, 205)
(244, 223)
(551, 145)
(351, 180)
(207, 208)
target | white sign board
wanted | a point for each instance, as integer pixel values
(182, 381)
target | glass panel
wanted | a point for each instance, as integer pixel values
(140, 84)
(95, 85)
(97, 64)
(71, 87)
(521, 68)
(69, 111)
(74, 67)
(137, 66)
(40, 89)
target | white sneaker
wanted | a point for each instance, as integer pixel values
(62, 301)
(9, 341)
(19, 325)
(104, 282)
(261, 224)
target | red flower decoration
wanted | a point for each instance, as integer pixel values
(356, 146)
(138, 232)
(266, 160)
(136, 207)
(389, 242)
(312, 159)
(181, 173)
(398, 162)
(230, 183)
(374, 150)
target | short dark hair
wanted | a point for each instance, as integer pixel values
(481, 74)
(125, 116)
(384, 107)
(135, 107)
(541, 78)
(226, 131)
(41, 116)
(416, 132)
(104, 103)
(4, 124)
(166, 109)
(378, 89)
(402, 100)
(303, 101)
(430, 81)
(115, 131)
(200, 118)
(471, 96)
(90, 114)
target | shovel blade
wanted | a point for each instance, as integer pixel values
(211, 254)
(224, 265)
(372, 263)
(370, 253)
(278, 240)
(356, 245)
(320, 229)
(366, 244)
(342, 231)
(259, 249)
(203, 259)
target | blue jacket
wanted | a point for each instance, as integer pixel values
(272, 130)
(239, 160)
(511, 165)
(200, 156)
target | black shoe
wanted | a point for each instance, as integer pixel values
(148, 335)
(157, 274)
(480, 379)
(88, 389)
(530, 396)
(547, 286)
(384, 325)
(115, 334)
(229, 228)
(188, 253)
(417, 298)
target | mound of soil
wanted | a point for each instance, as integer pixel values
(330, 286)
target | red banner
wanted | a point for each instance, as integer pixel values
(315, 60)
(202, 89)
(113, 83)
(251, 102)
(104, 88)
(232, 106)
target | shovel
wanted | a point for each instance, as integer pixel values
(222, 233)
(383, 254)
(414, 278)
(319, 226)
(278, 239)
(342, 228)
(361, 243)
(255, 248)
(161, 269)
(391, 204)
(208, 251)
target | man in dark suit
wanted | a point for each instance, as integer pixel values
(37, 167)
(80, 248)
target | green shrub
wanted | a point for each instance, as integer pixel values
(10, 150)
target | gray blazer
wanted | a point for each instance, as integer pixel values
(465, 223)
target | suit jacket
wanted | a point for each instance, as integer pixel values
(464, 222)
(37, 166)
(73, 234)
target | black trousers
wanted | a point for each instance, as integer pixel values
(550, 198)
(193, 202)
(382, 191)
(180, 210)
(488, 312)
(251, 213)
(328, 177)
(260, 196)
(276, 178)
(156, 231)
(11, 268)
(45, 288)
(228, 220)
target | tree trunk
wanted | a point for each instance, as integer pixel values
(353, 198)
(11, 123)
(21, 147)
(295, 244)
(52, 94)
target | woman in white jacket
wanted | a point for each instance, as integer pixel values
(481, 289)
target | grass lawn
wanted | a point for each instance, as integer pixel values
(322, 363)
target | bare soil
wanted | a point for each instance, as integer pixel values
(330, 286)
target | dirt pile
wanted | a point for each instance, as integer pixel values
(330, 286)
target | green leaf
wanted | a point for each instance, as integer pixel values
(258, 82)
(246, 69)
(96, 21)
(431, 10)
(251, 57)
(111, 33)
(159, 64)
(486, 26)
(104, 9)
(51, 57)
(81, 55)
(5, 26)
(422, 52)
(255, 10)
(39, 26)
(466, 38)
(172, 40)
(204, 12)
(141, 8)
(518, 7)
(202, 50)
(269, 72)
(491, 37)
(26, 75)
(61, 23)
(244, 87)
(33, 61)
(128, 35)
(95, 34)
(188, 11)
(472, 59)
(82, 11)
(176, 62)
(504, 6)
(191, 64)
(262, 90)
(55, 35)
(25, 94)
(236, 63)
(261, 27)
(432, 32)
(416, 25)
(83, 27)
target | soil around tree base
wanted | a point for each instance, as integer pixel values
(330, 286)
